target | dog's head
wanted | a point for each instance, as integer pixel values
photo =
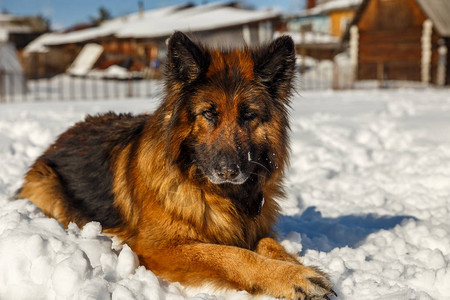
(228, 109)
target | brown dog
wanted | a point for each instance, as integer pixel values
(192, 187)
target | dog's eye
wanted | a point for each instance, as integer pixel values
(249, 116)
(209, 115)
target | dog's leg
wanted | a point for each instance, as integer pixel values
(270, 248)
(42, 187)
(238, 268)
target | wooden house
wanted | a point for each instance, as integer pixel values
(401, 40)
(137, 42)
(20, 30)
(15, 33)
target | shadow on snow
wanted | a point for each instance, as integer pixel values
(324, 234)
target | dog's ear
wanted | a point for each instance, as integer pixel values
(274, 66)
(186, 60)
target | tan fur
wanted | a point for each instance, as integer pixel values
(43, 187)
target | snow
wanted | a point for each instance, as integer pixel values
(13, 24)
(38, 44)
(368, 201)
(105, 29)
(86, 59)
(332, 5)
(309, 37)
(195, 19)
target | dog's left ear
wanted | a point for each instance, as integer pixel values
(186, 60)
(274, 66)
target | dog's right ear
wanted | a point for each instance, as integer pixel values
(275, 66)
(186, 60)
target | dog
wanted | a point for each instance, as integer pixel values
(192, 187)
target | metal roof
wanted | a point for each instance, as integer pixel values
(163, 22)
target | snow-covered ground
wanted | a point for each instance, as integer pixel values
(368, 201)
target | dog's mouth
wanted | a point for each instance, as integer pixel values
(217, 179)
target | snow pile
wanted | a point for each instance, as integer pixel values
(368, 200)
(45, 259)
(369, 191)
(42, 260)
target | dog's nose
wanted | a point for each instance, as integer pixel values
(228, 172)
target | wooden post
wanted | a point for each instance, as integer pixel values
(83, 88)
(380, 74)
(95, 88)
(354, 49)
(71, 87)
(61, 88)
(24, 88)
(303, 62)
(130, 87)
(117, 87)
(303, 51)
(12, 87)
(426, 51)
(2, 86)
(442, 65)
(335, 79)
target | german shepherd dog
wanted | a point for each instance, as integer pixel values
(191, 188)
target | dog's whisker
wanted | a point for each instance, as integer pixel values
(257, 174)
(261, 165)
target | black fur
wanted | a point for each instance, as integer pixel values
(275, 66)
(81, 158)
(187, 61)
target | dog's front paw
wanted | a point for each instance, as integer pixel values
(301, 282)
(314, 288)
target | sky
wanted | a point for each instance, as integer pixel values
(64, 13)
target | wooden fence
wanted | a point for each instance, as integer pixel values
(317, 75)
(14, 88)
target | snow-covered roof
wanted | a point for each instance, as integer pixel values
(110, 27)
(195, 19)
(107, 28)
(16, 24)
(86, 59)
(161, 22)
(38, 45)
(332, 5)
(6, 17)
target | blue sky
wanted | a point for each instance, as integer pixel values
(64, 13)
